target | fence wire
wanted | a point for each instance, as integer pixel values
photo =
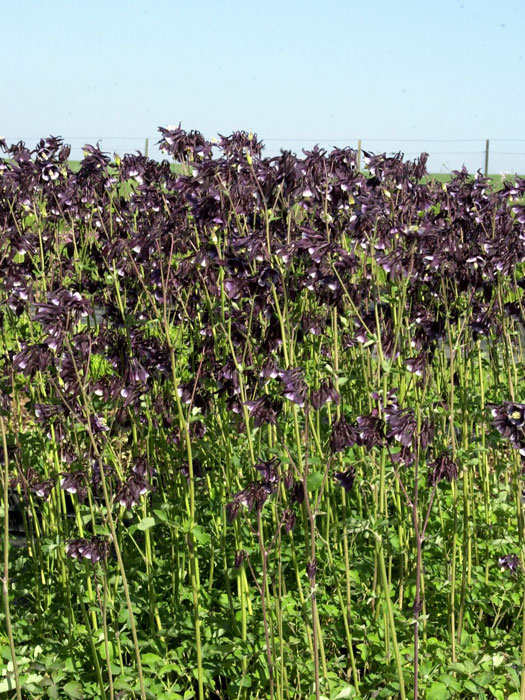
(504, 156)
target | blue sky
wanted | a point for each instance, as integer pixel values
(330, 73)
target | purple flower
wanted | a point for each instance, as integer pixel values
(509, 562)
(402, 424)
(325, 394)
(93, 550)
(509, 421)
(129, 492)
(263, 410)
(346, 479)
(74, 482)
(295, 388)
(343, 435)
(43, 488)
(443, 467)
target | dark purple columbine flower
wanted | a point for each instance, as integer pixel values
(43, 412)
(32, 358)
(198, 470)
(131, 395)
(233, 288)
(96, 477)
(297, 492)
(136, 373)
(253, 497)
(268, 277)
(295, 388)
(346, 479)
(269, 370)
(129, 492)
(325, 394)
(73, 482)
(443, 467)
(479, 329)
(404, 456)
(343, 435)
(94, 549)
(509, 562)
(289, 520)
(311, 569)
(418, 364)
(97, 424)
(143, 468)
(240, 556)
(185, 392)
(240, 143)
(184, 145)
(402, 424)
(263, 410)
(509, 421)
(43, 488)
(313, 324)
(371, 430)
(269, 470)
(232, 509)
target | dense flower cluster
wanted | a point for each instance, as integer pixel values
(250, 266)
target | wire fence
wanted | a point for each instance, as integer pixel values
(494, 156)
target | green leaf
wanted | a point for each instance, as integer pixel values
(7, 684)
(199, 534)
(74, 690)
(111, 650)
(348, 692)
(33, 678)
(498, 694)
(469, 685)
(498, 659)
(438, 691)
(315, 480)
(146, 523)
(151, 660)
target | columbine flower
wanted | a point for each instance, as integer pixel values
(32, 358)
(346, 479)
(43, 489)
(402, 424)
(510, 562)
(128, 493)
(443, 467)
(253, 497)
(325, 394)
(371, 430)
(240, 556)
(509, 421)
(94, 549)
(73, 482)
(417, 364)
(343, 435)
(263, 410)
(289, 519)
(295, 388)
(268, 471)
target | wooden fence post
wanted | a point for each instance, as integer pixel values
(486, 157)
(146, 148)
(359, 155)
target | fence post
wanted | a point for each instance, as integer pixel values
(146, 147)
(486, 157)
(359, 155)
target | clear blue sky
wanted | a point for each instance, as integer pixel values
(312, 71)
